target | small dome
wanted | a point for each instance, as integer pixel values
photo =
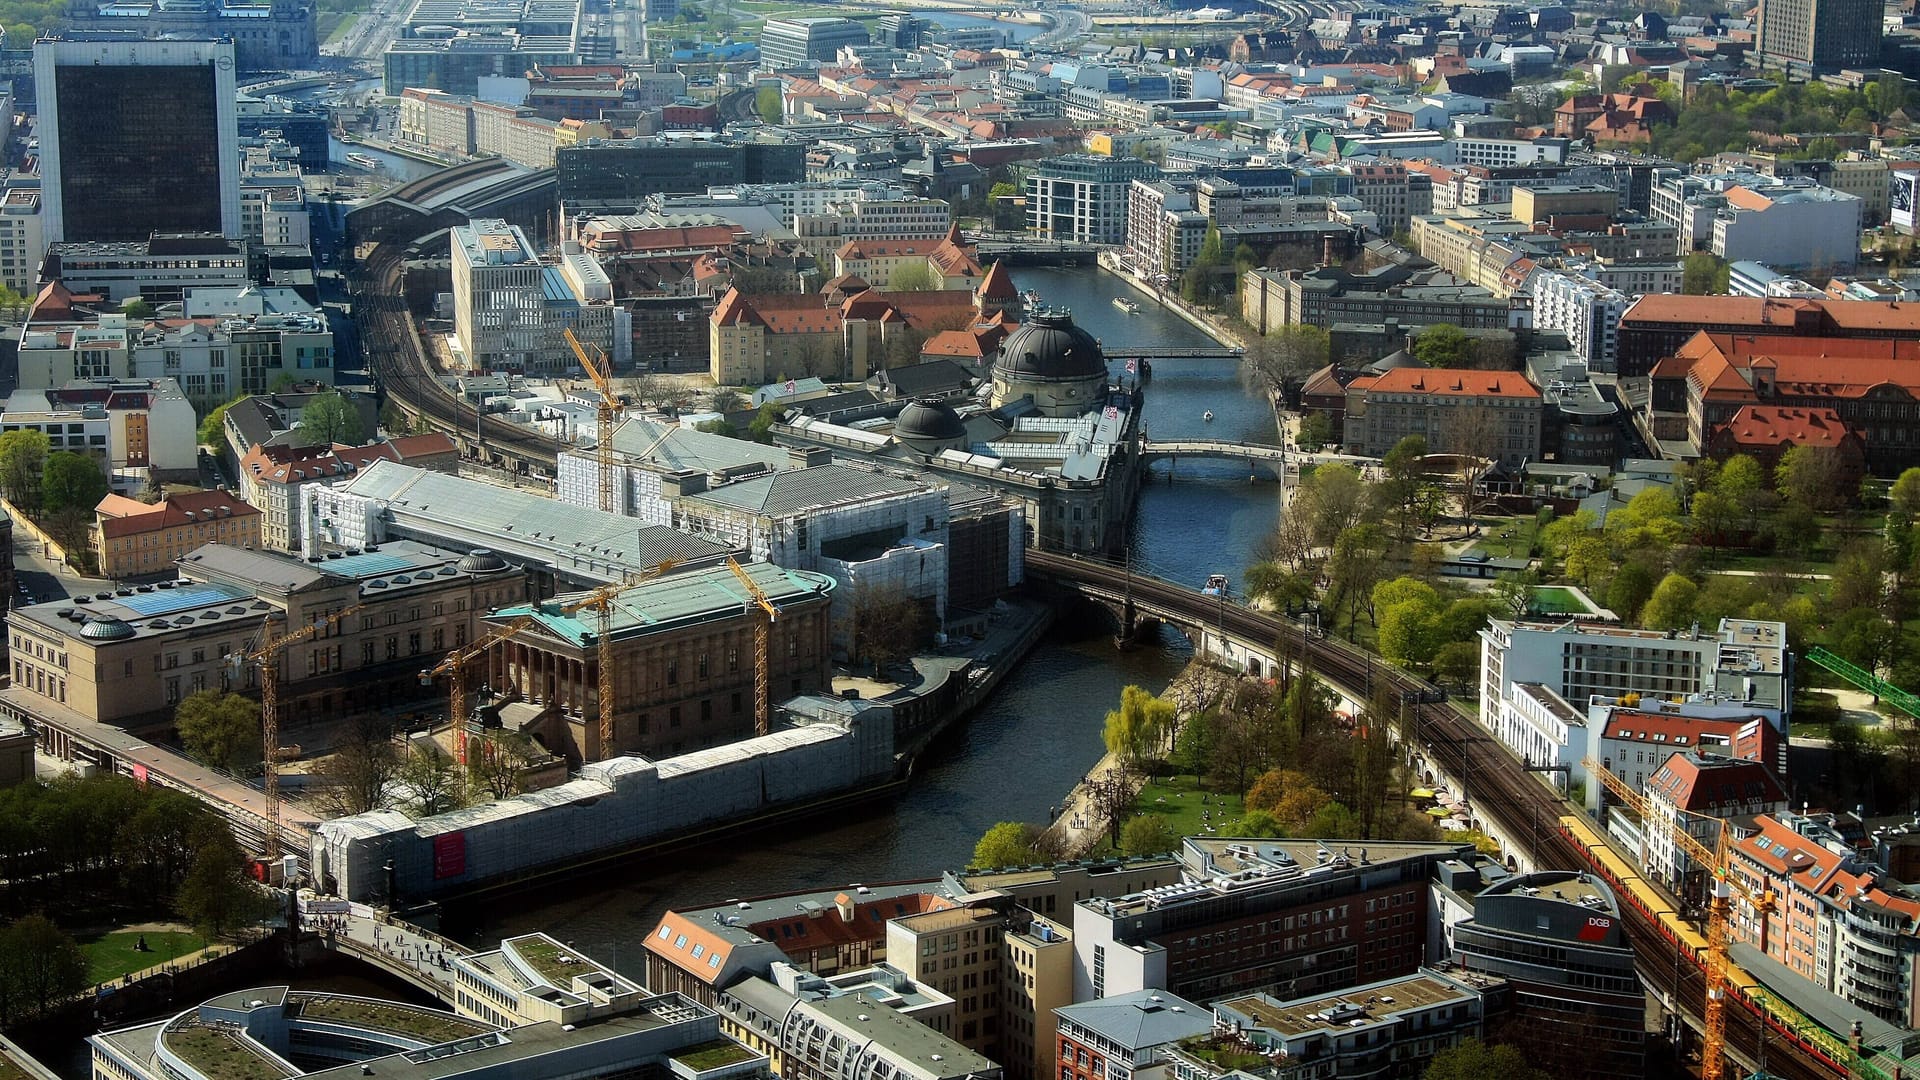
(929, 421)
(1049, 346)
(106, 629)
(1399, 358)
(482, 561)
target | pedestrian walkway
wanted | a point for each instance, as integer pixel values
(420, 956)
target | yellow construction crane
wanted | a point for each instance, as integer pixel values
(1715, 860)
(762, 648)
(600, 600)
(267, 655)
(599, 369)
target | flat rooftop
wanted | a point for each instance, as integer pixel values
(1376, 1003)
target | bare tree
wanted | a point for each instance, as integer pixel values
(355, 776)
(497, 765)
(1284, 357)
(888, 624)
(1473, 433)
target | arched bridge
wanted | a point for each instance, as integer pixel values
(1497, 784)
(1218, 450)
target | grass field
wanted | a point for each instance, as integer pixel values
(110, 956)
(1552, 600)
(1177, 798)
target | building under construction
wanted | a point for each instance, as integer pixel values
(683, 662)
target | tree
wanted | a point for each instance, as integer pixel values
(767, 102)
(1864, 637)
(1315, 431)
(1407, 612)
(1457, 663)
(1513, 591)
(887, 624)
(1904, 496)
(1137, 731)
(213, 430)
(136, 310)
(1473, 434)
(215, 897)
(1811, 477)
(496, 766)
(71, 481)
(1671, 605)
(1009, 843)
(434, 782)
(761, 430)
(23, 458)
(1442, 345)
(1256, 824)
(1003, 189)
(915, 277)
(219, 728)
(1147, 834)
(1287, 354)
(40, 966)
(330, 418)
(1632, 584)
(1475, 1060)
(1703, 274)
(355, 776)
(1587, 560)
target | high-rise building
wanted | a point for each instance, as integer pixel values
(1083, 198)
(136, 137)
(1824, 35)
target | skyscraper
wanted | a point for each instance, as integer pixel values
(1819, 35)
(136, 137)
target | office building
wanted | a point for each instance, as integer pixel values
(1303, 916)
(134, 539)
(279, 479)
(1558, 940)
(1494, 415)
(158, 269)
(792, 43)
(1393, 1026)
(1082, 198)
(22, 234)
(129, 658)
(627, 171)
(300, 125)
(136, 138)
(1656, 326)
(511, 311)
(1806, 36)
(1329, 295)
(877, 1025)
(1584, 309)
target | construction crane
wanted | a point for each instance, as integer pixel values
(1725, 885)
(600, 600)
(267, 655)
(605, 413)
(762, 648)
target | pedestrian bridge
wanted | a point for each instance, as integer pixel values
(1274, 457)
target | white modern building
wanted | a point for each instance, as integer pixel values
(136, 137)
(1587, 311)
(124, 424)
(511, 310)
(1082, 198)
(22, 234)
(1801, 226)
(1506, 153)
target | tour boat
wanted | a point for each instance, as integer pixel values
(365, 161)
(1126, 305)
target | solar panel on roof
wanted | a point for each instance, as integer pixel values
(179, 599)
(367, 563)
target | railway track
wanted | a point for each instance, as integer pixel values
(394, 355)
(1495, 782)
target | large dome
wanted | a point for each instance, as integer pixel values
(929, 421)
(1049, 346)
(106, 629)
(481, 561)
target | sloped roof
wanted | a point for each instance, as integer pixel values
(189, 508)
(1768, 425)
(796, 491)
(1452, 382)
(1142, 1019)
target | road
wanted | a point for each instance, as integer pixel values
(39, 578)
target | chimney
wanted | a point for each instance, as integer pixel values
(806, 457)
(683, 482)
(1326, 252)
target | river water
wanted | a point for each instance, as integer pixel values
(1025, 749)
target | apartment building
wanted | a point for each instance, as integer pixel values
(134, 539)
(1082, 198)
(132, 427)
(128, 658)
(1584, 309)
(1491, 414)
(1127, 1036)
(1745, 660)
(1698, 793)
(22, 235)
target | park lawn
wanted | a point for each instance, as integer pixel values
(1504, 537)
(112, 955)
(1182, 807)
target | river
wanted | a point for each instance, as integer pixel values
(1024, 750)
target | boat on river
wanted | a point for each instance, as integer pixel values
(364, 161)
(1126, 305)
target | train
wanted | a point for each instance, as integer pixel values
(1831, 1049)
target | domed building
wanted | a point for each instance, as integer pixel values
(930, 427)
(1057, 364)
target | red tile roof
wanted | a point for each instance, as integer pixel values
(1767, 425)
(1718, 787)
(188, 508)
(1452, 382)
